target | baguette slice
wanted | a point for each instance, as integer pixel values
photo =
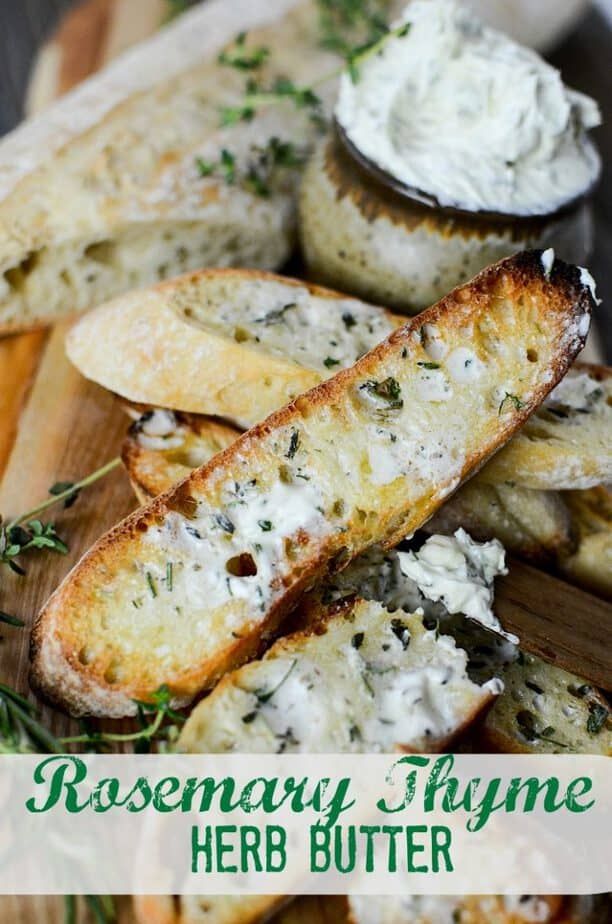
(191, 585)
(163, 447)
(529, 523)
(467, 909)
(102, 192)
(545, 710)
(590, 564)
(567, 444)
(237, 344)
(323, 690)
(542, 710)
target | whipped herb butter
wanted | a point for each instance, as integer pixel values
(466, 115)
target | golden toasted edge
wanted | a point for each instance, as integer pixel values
(148, 470)
(59, 682)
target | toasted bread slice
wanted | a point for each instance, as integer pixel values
(163, 447)
(368, 658)
(545, 710)
(188, 587)
(102, 192)
(542, 708)
(590, 564)
(532, 524)
(467, 909)
(567, 444)
(237, 344)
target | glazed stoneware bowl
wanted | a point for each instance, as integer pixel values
(361, 236)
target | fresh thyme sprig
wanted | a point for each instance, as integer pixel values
(26, 532)
(344, 23)
(283, 89)
(21, 731)
(259, 172)
(241, 58)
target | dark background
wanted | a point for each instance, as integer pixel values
(585, 60)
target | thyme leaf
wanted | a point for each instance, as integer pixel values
(514, 399)
(241, 58)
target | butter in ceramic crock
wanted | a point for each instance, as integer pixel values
(464, 114)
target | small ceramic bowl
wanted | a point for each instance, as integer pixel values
(363, 237)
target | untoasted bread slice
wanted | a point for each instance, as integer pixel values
(103, 193)
(237, 344)
(590, 563)
(373, 663)
(188, 587)
(567, 444)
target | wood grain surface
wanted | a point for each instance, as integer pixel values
(557, 622)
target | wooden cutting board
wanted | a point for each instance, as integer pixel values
(55, 426)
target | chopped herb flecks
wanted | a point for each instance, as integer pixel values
(388, 391)
(514, 399)
(294, 443)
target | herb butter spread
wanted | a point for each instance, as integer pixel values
(447, 575)
(365, 682)
(462, 113)
(447, 909)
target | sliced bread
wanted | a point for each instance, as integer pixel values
(529, 523)
(237, 344)
(357, 679)
(545, 710)
(191, 585)
(567, 444)
(163, 447)
(590, 563)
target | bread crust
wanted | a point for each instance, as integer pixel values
(146, 347)
(87, 667)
